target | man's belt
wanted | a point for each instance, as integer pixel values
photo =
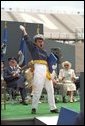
(40, 62)
(48, 74)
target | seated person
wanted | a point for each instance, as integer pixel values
(2, 69)
(54, 74)
(67, 78)
(3, 84)
(55, 81)
(77, 83)
(29, 73)
(14, 79)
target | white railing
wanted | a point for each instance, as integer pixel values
(79, 33)
(42, 11)
(59, 35)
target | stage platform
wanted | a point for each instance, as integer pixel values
(48, 120)
(22, 114)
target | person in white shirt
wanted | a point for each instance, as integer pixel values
(67, 77)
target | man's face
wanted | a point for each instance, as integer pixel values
(12, 63)
(40, 43)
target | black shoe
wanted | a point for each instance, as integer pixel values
(24, 103)
(33, 111)
(64, 100)
(54, 111)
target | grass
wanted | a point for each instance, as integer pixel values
(19, 111)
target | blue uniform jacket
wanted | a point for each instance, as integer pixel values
(39, 54)
(36, 52)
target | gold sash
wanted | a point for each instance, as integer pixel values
(48, 74)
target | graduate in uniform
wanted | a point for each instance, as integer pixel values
(41, 77)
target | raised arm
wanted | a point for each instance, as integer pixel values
(22, 28)
(29, 43)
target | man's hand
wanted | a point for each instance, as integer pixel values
(15, 75)
(22, 28)
(63, 78)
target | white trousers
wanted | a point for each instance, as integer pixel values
(39, 81)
